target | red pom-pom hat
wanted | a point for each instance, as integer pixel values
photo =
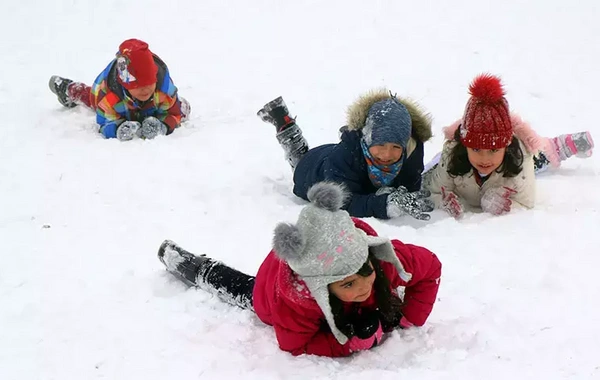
(486, 123)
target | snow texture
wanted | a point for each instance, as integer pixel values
(82, 293)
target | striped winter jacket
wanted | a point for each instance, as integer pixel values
(114, 105)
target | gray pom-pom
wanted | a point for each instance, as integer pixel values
(288, 241)
(328, 195)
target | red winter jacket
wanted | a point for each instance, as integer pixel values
(282, 300)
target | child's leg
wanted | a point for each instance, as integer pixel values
(70, 93)
(432, 163)
(578, 144)
(80, 93)
(289, 134)
(233, 286)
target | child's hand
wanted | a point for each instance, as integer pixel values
(451, 204)
(367, 331)
(416, 204)
(497, 201)
(152, 127)
(127, 130)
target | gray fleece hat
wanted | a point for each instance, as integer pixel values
(324, 246)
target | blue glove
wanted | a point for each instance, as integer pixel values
(152, 127)
(127, 130)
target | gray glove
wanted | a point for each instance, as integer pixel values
(415, 204)
(152, 127)
(128, 130)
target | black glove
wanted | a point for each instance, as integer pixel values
(415, 204)
(365, 323)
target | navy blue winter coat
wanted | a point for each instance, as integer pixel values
(344, 162)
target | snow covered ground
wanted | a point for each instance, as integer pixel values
(82, 295)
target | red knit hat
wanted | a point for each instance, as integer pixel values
(486, 123)
(135, 65)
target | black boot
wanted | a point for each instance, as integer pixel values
(59, 86)
(183, 264)
(293, 143)
(276, 113)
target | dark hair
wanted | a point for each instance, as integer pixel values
(388, 304)
(459, 164)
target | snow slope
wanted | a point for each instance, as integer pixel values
(82, 295)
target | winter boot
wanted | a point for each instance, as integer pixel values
(59, 86)
(276, 113)
(578, 144)
(293, 143)
(188, 267)
(289, 134)
(186, 109)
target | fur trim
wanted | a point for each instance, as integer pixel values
(288, 241)
(358, 111)
(534, 142)
(450, 130)
(327, 195)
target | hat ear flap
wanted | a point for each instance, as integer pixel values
(288, 242)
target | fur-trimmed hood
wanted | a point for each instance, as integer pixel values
(358, 111)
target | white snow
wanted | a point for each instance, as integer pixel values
(82, 293)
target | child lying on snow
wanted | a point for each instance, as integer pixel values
(133, 96)
(328, 287)
(491, 156)
(381, 147)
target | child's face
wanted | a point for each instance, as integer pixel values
(486, 161)
(386, 154)
(143, 93)
(353, 288)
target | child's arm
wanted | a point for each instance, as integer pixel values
(439, 177)
(107, 116)
(421, 291)
(359, 204)
(311, 341)
(524, 184)
(412, 169)
(169, 110)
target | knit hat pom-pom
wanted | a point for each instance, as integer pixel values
(327, 195)
(288, 241)
(487, 88)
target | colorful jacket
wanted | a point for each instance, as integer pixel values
(345, 163)
(114, 105)
(281, 299)
(466, 187)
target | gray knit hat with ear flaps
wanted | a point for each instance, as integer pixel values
(324, 246)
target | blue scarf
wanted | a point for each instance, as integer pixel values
(381, 175)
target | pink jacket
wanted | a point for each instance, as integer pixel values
(282, 300)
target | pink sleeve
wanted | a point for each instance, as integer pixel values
(421, 291)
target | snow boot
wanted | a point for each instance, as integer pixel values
(289, 134)
(59, 86)
(578, 144)
(188, 267)
(276, 112)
